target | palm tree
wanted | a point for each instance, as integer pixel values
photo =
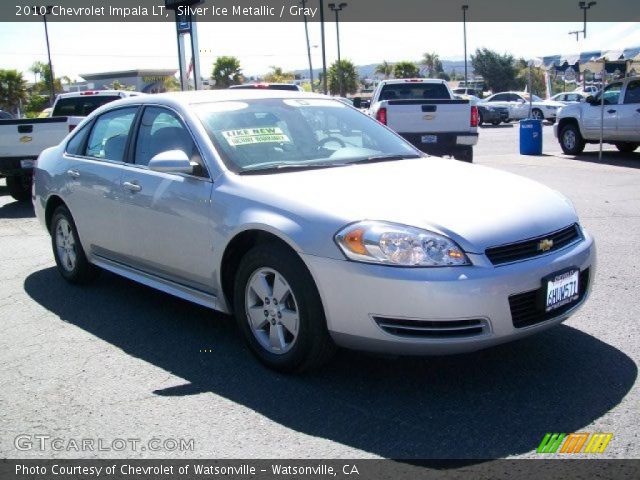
(405, 70)
(227, 71)
(277, 75)
(432, 62)
(349, 78)
(38, 69)
(385, 69)
(13, 90)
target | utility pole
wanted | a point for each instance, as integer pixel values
(306, 32)
(323, 46)
(585, 6)
(464, 29)
(52, 88)
(337, 10)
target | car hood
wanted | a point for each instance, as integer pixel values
(477, 206)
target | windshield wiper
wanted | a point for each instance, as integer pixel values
(384, 158)
(284, 167)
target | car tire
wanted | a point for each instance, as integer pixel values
(571, 140)
(68, 252)
(495, 123)
(19, 187)
(480, 119)
(464, 154)
(302, 341)
(537, 114)
(626, 147)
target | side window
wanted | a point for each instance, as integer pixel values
(612, 94)
(109, 135)
(76, 144)
(633, 92)
(161, 130)
(500, 97)
(515, 98)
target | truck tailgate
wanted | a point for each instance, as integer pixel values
(29, 136)
(428, 116)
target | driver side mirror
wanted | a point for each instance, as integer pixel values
(171, 161)
(357, 102)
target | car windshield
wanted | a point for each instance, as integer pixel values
(280, 134)
(535, 97)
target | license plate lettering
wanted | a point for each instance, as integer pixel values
(562, 290)
(429, 139)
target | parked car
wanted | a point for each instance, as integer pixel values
(588, 89)
(569, 97)
(5, 115)
(467, 91)
(518, 105)
(427, 114)
(22, 140)
(492, 114)
(270, 86)
(580, 123)
(312, 223)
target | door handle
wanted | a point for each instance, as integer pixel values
(73, 173)
(132, 187)
(611, 111)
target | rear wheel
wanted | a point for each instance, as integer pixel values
(279, 311)
(480, 119)
(571, 140)
(495, 123)
(68, 252)
(627, 147)
(19, 187)
(464, 154)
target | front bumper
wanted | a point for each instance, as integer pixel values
(354, 294)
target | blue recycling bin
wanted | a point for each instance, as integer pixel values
(530, 137)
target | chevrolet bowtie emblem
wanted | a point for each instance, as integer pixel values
(545, 245)
(429, 117)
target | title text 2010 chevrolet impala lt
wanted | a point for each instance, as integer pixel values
(312, 223)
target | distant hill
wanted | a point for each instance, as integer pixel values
(367, 71)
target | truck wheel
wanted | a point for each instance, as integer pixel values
(279, 311)
(571, 140)
(19, 187)
(626, 147)
(464, 154)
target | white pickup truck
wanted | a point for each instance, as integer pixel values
(22, 140)
(580, 123)
(427, 114)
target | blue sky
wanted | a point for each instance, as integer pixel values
(94, 47)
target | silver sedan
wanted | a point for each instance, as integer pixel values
(312, 223)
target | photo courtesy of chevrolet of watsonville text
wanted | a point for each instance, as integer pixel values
(315, 239)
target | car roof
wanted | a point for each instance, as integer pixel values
(412, 80)
(207, 96)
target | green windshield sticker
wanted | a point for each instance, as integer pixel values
(248, 136)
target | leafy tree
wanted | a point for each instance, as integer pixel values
(433, 64)
(499, 71)
(405, 70)
(35, 104)
(443, 76)
(227, 72)
(116, 85)
(13, 90)
(37, 68)
(171, 84)
(277, 75)
(385, 69)
(537, 78)
(345, 71)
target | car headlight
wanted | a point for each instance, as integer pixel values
(394, 244)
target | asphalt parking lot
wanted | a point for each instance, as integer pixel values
(119, 360)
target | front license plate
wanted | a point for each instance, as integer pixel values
(429, 139)
(562, 289)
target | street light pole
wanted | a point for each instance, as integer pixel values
(337, 10)
(585, 6)
(52, 89)
(464, 29)
(306, 32)
(324, 53)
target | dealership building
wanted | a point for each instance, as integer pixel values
(143, 80)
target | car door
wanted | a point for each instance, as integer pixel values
(592, 114)
(94, 158)
(519, 106)
(629, 113)
(166, 217)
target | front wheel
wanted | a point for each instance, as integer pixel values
(571, 140)
(279, 311)
(464, 154)
(19, 187)
(537, 114)
(626, 147)
(68, 252)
